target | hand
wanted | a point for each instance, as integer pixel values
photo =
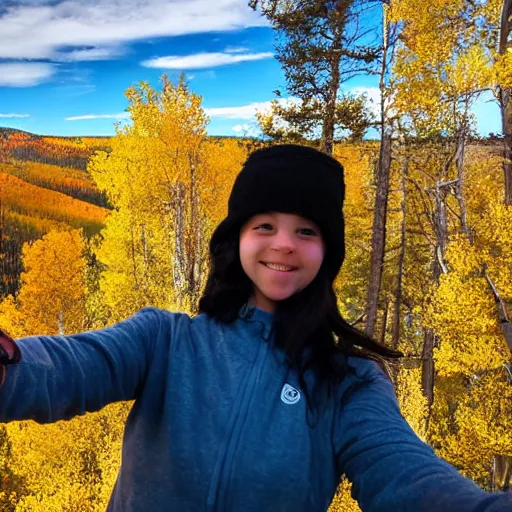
(9, 352)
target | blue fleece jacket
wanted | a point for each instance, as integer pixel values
(219, 421)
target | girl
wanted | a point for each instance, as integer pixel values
(266, 397)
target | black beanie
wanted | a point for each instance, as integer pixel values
(296, 179)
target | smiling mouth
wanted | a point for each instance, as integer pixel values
(279, 268)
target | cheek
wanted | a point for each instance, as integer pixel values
(314, 254)
(248, 251)
(245, 248)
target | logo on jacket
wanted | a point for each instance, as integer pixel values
(290, 395)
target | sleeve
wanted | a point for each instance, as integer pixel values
(58, 377)
(390, 467)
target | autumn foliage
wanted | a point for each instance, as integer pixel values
(448, 253)
(65, 152)
(35, 198)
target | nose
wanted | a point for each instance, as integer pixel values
(283, 242)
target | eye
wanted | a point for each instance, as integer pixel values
(308, 231)
(265, 226)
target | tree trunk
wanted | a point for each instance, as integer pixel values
(427, 368)
(195, 248)
(503, 314)
(429, 341)
(395, 336)
(193, 226)
(506, 120)
(438, 266)
(501, 474)
(384, 322)
(179, 227)
(378, 232)
(381, 196)
(330, 107)
(506, 104)
(459, 159)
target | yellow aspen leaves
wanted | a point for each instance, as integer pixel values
(52, 295)
(169, 185)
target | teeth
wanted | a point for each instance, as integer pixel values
(278, 267)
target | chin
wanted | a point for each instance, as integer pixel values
(278, 297)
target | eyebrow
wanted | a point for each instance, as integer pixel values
(273, 215)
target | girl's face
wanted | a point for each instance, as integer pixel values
(291, 244)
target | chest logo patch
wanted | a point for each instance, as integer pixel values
(290, 395)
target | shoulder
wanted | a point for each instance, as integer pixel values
(178, 326)
(163, 316)
(365, 369)
(366, 379)
(159, 324)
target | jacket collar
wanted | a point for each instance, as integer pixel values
(255, 315)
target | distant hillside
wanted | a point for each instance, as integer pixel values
(72, 182)
(44, 186)
(4, 130)
(71, 152)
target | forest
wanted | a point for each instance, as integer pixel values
(85, 242)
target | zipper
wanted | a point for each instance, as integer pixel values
(215, 501)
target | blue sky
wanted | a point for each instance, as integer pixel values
(64, 65)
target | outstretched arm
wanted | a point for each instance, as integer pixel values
(389, 466)
(58, 377)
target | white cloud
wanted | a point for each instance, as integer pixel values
(245, 111)
(25, 74)
(37, 30)
(89, 54)
(248, 112)
(236, 49)
(246, 130)
(14, 115)
(242, 112)
(372, 97)
(203, 60)
(240, 128)
(124, 115)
